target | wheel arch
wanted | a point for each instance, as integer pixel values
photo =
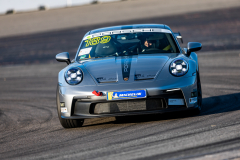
(194, 57)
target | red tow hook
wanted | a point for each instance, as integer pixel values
(97, 93)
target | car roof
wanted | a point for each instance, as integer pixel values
(134, 26)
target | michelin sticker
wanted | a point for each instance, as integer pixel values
(85, 51)
(126, 95)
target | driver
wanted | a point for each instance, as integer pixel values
(147, 44)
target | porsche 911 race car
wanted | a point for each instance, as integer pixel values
(128, 70)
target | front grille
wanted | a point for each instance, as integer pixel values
(85, 106)
(128, 106)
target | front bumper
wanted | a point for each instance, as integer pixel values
(80, 103)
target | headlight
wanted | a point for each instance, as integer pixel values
(178, 67)
(73, 76)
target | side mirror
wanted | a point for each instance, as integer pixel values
(63, 57)
(192, 47)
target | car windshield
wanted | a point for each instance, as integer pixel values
(126, 44)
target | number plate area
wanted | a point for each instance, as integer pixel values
(123, 95)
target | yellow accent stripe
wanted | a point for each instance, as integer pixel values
(110, 94)
(167, 48)
(89, 55)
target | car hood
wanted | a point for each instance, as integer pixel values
(126, 68)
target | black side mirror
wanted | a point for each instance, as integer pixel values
(193, 47)
(63, 57)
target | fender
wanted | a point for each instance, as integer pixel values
(195, 58)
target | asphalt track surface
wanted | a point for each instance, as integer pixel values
(30, 129)
(126, 10)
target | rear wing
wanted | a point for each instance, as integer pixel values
(178, 36)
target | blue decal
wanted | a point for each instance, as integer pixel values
(126, 95)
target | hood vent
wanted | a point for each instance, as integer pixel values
(107, 79)
(145, 76)
(126, 69)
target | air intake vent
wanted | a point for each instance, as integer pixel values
(127, 106)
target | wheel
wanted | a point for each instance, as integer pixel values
(197, 111)
(120, 119)
(67, 123)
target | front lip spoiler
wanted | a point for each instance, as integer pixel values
(93, 98)
(87, 116)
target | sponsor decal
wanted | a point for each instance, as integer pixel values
(85, 51)
(126, 95)
(89, 36)
(64, 110)
(126, 67)
(112, 79)
(193, 100)
(151, 75)
(175, 102)
(101, 79)
(139, 76)
(130, 30)
(142, 76)
(83, 56)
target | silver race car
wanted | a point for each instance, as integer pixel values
(128, 70)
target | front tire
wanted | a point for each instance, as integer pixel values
(67, 123)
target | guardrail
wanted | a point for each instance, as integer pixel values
(15, 6)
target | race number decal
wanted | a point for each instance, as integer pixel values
(105, 39)
(92, 41)
(96, 40)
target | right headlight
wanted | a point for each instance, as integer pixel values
(178, 67)
(73, 76)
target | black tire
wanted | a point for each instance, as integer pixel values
(121, 119)
(67, 123)
(197, 111)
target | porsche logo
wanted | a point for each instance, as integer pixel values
(126, 79)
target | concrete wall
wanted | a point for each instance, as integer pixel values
(31, 5)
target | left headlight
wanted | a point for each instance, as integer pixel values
(178, 67)
(73, 76)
